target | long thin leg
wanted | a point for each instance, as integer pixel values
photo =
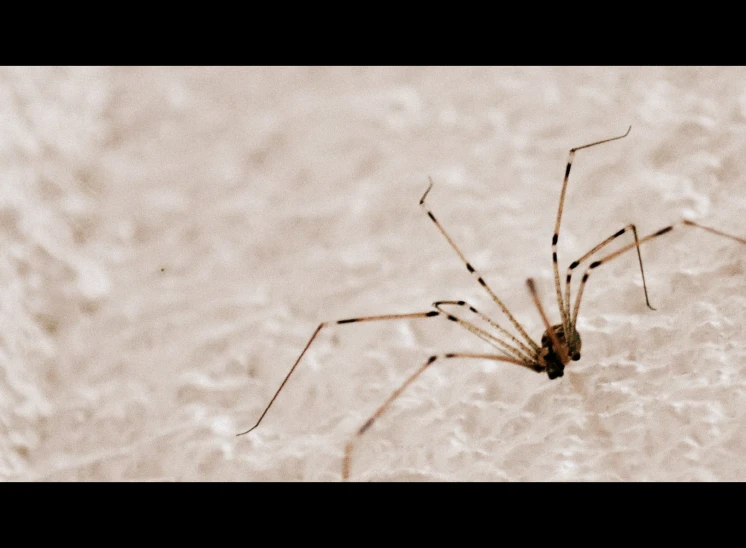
(521, 352)
(476, 273)
(607, 241)
(555, 237)
(318, 329)
(559, 349)
(351, 444)
(626, 248)
(714, 231)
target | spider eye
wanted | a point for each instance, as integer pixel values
(576, 356)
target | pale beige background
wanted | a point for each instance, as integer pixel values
(171, 237)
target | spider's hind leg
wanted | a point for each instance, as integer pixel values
(661, 232)
(346, 463)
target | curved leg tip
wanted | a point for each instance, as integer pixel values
(430, 186)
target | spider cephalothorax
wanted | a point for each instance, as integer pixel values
(552, 362)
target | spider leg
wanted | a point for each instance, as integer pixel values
(520, 351)
(430, 314)
(476, 273)
(607, 241)
(351, 444)
(714, 231)
(637, 244)
(555, 237)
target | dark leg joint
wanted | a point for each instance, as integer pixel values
(364, 427)
(567, 169)
(433, 313)
(574, 265)
(481, 281)
(594, 264)
(432, 216)
(461, 303)
(452, 318)
(432, 359)
(469, 267)
(554, 256)
(353, 320)
(585, 276)
(664, 230)
(620, 233)
(554, 239)
(450, 355)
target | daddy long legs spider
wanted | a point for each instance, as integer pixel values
(559, 344)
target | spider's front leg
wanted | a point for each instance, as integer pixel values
(322, 325)
(564, 308)
(476, 274)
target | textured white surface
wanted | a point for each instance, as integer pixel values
(172, 237)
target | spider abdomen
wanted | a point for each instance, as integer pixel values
(554, 365)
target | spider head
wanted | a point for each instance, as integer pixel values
(554, 365)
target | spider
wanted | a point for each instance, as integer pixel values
(560, 343)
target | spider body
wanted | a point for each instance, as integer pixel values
(550, 360)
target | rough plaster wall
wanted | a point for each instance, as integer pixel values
(172, 237)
